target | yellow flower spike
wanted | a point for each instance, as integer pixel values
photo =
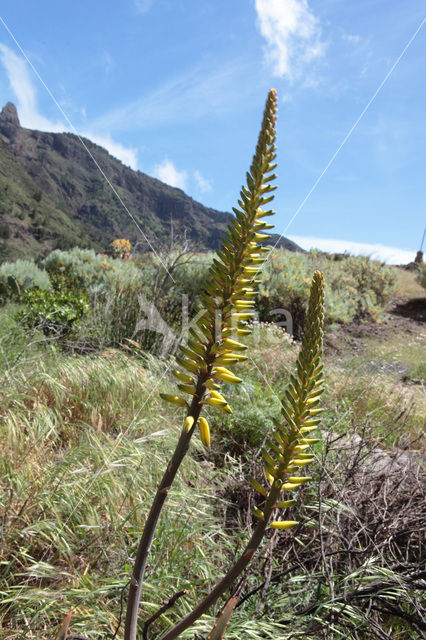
(188, 424)
(204, 431)
(283, 524)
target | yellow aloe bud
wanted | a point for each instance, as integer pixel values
(233, 344)
(299, 479)
(187, 388)
(217, 395)
(285, 504)
(242, 316)
(219, 404)
(174, 399)
(214, 402)
(243, 306)
(269, 477)
(188, 364)
(230, 358)
(243, 332)
(211, 384)
(188, 424)
(258, 513)
(301, 463)
(300, 447)
(182, 376)
(227, 376)
(204, 432)
(289, 486)
(283, 524)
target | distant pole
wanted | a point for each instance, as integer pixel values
(419, 257)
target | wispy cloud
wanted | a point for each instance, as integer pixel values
(22, 85)
(203, 183)
(197, 93)
(292, 34)
(390, 255)
(25, 93)
(168, 173)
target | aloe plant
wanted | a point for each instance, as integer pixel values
(226, 306)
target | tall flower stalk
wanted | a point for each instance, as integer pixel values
(285, 453)
(227, 304)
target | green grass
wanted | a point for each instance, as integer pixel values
(83, 443)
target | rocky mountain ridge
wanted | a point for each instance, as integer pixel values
(52, 195)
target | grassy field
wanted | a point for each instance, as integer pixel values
(84, 441)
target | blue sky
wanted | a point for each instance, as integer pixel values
(176, 88)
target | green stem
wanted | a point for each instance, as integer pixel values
(151, 525)
(234, 572)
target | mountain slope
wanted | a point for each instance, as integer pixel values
(52, 195)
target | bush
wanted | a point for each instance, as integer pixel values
(81, 268)
(357, 287)
(53, 312)
(422, 275)
(20, 275)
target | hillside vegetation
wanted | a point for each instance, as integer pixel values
(53, 196)
(84, 437)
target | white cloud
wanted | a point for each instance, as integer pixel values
(390, 255)
(203, 183)
(26, 97)
(292, 34)
(168, 173)
(22, 86)
(127, 155)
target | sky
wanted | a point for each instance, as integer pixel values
(176, 89)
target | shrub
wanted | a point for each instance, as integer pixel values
(356, 287)
(20, 275)
(82, 268)
(53, 312)
(422, 275)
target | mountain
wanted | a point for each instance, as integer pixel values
(53, 195)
